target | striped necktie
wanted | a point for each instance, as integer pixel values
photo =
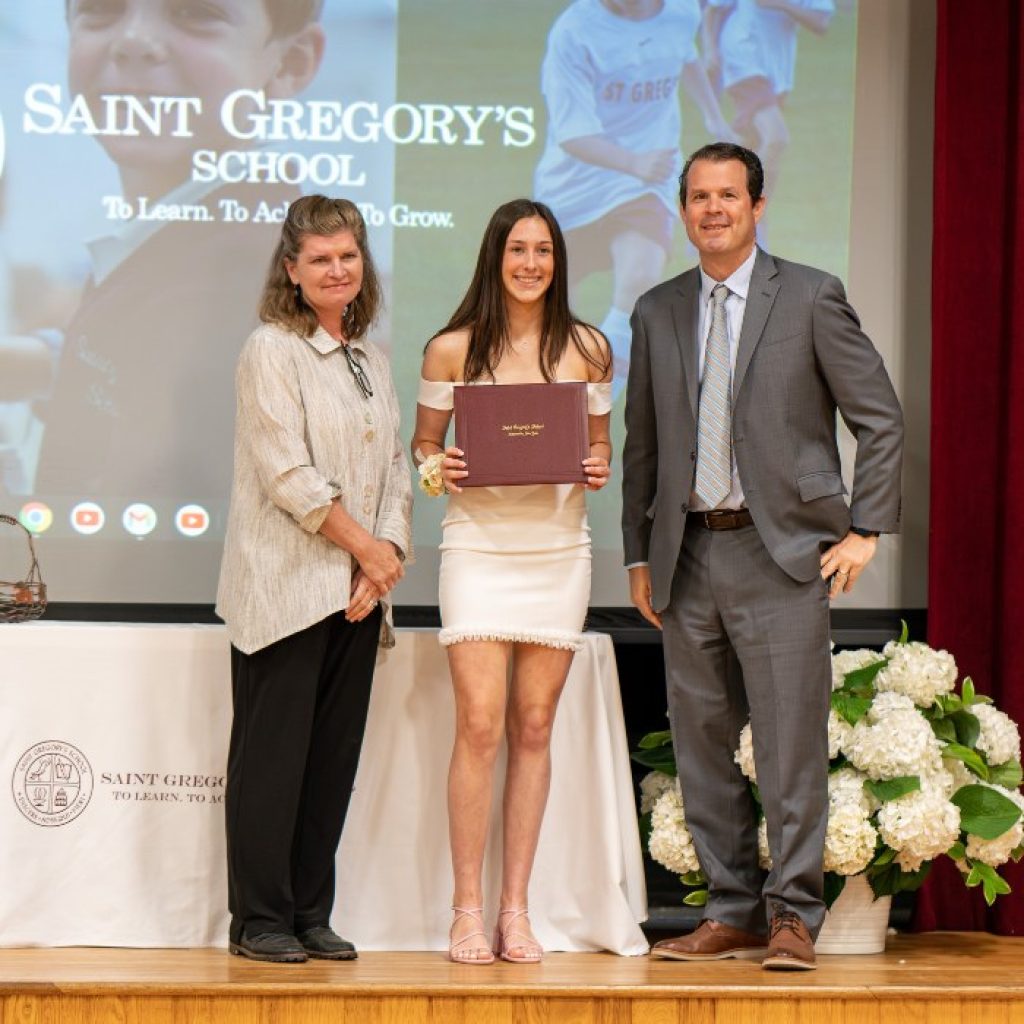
(714, 434)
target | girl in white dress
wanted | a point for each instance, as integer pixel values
(515, 562)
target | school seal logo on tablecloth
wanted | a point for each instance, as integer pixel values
(52, 783)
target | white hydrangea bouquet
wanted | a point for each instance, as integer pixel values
(917, 771)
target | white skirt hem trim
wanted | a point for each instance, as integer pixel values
(544, 637)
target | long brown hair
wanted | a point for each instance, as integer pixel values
(483, 311)
(281, 303)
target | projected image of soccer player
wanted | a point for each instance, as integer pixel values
(750, 49)
(140, 404)
(611, 79)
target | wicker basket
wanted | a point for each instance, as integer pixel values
(25, 599)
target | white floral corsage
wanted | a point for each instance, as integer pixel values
(431, 480)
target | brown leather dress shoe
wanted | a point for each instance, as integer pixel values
(712, 941)
(790, 947)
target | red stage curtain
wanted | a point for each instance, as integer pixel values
(976, 550)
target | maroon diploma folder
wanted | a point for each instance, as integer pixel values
(522, 433)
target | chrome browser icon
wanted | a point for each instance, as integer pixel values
(36, 517)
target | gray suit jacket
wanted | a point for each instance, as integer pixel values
(801, 356)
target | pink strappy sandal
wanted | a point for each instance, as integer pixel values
(458, 951)
(509, 937)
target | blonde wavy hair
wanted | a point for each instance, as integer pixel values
(282, 304)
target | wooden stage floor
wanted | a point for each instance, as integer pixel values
(952, 978)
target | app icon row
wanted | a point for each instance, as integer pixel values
(138, 519)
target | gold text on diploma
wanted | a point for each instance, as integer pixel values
(522, 429)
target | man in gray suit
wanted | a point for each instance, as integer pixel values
(737, 533)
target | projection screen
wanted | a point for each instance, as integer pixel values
(148, 149)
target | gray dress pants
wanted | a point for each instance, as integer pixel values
(742, 639)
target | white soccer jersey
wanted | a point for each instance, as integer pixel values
(758, 42)
(607, 75)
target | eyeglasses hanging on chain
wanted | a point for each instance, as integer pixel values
(358, 372)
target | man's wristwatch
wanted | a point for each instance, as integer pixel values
(862, 532)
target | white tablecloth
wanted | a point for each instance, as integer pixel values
(113, 739)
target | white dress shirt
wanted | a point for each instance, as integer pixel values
(738, 283)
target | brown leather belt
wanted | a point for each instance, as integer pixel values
(722, 519)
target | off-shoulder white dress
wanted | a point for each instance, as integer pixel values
(515, 561)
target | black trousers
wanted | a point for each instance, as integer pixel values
(300, 708)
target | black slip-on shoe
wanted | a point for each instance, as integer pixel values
(324, 943)
(270, 947)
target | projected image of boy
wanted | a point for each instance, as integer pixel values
(610, 79)
(17, 425)
(750, 50)
(141, 401)
(194, 51)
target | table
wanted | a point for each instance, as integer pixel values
(113, 739)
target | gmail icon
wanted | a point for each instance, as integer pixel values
(139, 519)
(192, 520)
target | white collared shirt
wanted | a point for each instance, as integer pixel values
(108, 252)
(738, 283)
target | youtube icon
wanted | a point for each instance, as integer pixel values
(192, 520)
(87, 517)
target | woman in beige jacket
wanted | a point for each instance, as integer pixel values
(318, 529)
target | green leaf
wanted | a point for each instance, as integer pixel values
(892, 789)
(834, 885)
(1008, 774)
(886, 856)
(849, 707)
(967, 726)
(660, 760)
(756, 794)
(904, 632)
(645, 829)
(944, 729)
(911, 881)
(655, 739)
(957, 851)
(992, 884)
(948, 703)
(971, 758)
(1017, 853)
(891, 879)
(984, 812)
(694, 878)
(994, 889)
(883, 880)
(970, 695)
(861, 681)
(697, 898)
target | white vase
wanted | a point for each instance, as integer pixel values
(857, 922)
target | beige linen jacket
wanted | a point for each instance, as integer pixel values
(304, 436)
